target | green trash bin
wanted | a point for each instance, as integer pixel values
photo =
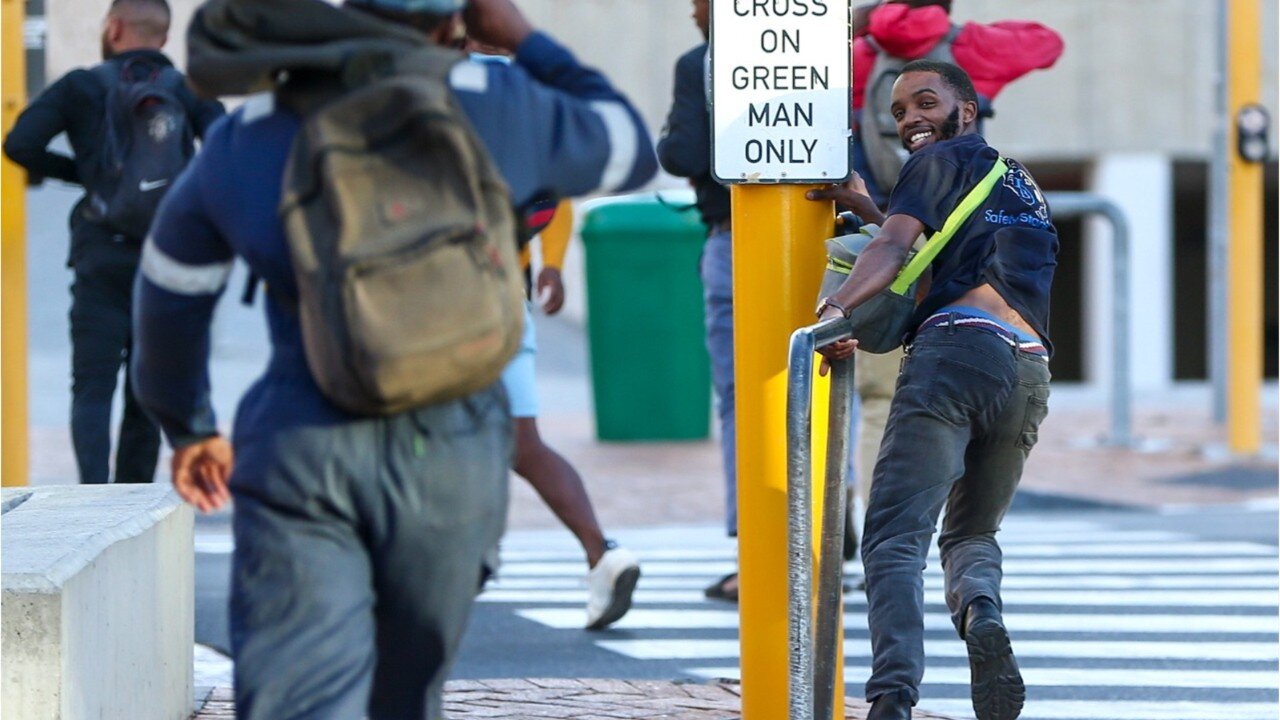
(649, 367)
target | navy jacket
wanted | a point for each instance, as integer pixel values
(685, 147)
(551, 125)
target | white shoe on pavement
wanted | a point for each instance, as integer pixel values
(609, 585)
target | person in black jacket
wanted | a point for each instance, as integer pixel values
(104, 260)
(684, 150)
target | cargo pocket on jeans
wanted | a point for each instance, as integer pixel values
(1037, 410)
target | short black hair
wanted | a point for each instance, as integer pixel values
(954, 76)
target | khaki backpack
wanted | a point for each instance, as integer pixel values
(403, 241)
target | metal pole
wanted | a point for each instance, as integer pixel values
(827, 636)
(800, 688)
(1244, 260)
(1216, 247)
(13, 263)
(1079, 204)
(815, 656)
(778, 258)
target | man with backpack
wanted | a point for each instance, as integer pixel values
(372, 190)
(131, 123)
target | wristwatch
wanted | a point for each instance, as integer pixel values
(828, 302)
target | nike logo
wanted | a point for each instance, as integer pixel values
(149, 185)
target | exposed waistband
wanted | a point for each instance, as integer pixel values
(958, 318)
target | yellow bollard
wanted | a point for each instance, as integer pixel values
(778, 260)
(13, 263)
(1244, 236)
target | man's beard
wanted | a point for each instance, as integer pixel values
(950, 128)
(106, 48)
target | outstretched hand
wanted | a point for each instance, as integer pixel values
(201, 471)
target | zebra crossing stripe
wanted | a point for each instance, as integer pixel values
(934, 583)
(1119, 710)
(1068, 677)
(647, 595)
(704, 649)
(1012, 566)
(685, 619)
(723, 549)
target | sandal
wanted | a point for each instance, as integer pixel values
(726, 588)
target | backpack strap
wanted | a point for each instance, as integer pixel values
(950, 226)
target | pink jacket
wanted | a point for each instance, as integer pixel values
(994, 55)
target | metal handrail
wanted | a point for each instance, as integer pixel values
(1081, 204)
(813, 636)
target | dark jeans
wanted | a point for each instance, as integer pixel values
(101, 340)
(716, 268)
(964, 417)
(359, 549)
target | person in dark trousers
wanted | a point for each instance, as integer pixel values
(685, 151)
(972, 393)
(104, 259)
(994, 55)
(359, 541)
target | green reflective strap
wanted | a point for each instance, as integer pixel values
(840, 266)
(976, 197)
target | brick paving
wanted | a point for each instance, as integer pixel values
(580, 699)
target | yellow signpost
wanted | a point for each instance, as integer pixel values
(13, 263)
(778, 259)
(1244, 235)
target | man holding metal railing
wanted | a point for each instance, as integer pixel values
(972, 391)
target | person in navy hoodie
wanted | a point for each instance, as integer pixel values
(359, 542)
(972, 393)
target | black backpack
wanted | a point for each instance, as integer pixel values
(147, 140)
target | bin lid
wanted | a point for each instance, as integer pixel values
(649, 213)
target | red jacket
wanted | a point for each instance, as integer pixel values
(994, 55)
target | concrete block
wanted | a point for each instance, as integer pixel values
(98, 603)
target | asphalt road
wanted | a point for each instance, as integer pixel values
(1136, 612)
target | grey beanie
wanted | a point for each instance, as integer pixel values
(441, 7)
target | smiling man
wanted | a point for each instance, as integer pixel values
(972, 392)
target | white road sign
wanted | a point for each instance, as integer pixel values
(781, 74)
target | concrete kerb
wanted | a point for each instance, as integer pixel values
(98, 602)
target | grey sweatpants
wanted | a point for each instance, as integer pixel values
(359, 550)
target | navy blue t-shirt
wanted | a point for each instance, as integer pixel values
(1009, 241)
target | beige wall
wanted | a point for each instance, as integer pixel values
(75, 29)
(1137, 75)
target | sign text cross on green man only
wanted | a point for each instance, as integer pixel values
(781, 73)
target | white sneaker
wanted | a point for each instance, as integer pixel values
(609, 585)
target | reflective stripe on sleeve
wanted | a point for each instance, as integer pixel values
(622, 143)
(469, 76)
(183, 278)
